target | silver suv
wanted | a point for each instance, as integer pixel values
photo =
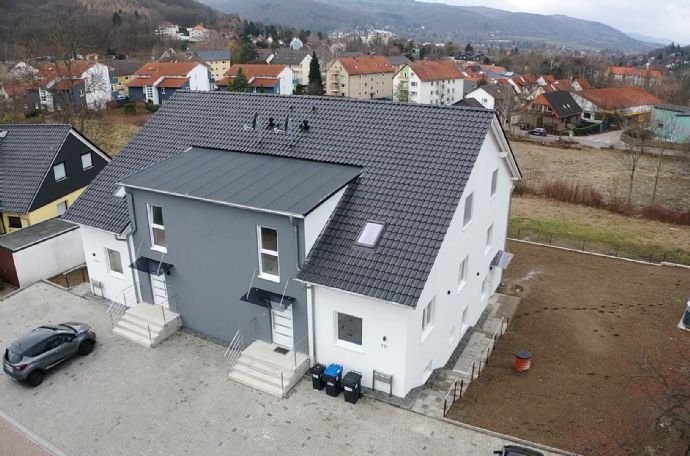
(29, 357)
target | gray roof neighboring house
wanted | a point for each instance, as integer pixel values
(268, 183)
(685, 110)
(214, 55)
(287, 56)
(415, 161)
(563, 103)
(26, 153)
(35, 234)
(398, 60)
(124, 67)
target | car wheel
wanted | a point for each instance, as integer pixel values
(35, 378)
(86, 347)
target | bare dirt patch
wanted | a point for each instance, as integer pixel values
(590, 322)
(604, 170)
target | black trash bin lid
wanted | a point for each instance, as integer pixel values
(352, 377)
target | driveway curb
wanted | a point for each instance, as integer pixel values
(39, 441)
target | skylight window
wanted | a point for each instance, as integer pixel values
(370, 234)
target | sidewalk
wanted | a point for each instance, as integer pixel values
(14, 443)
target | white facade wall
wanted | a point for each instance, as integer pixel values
(286, 84)
(316, 220)
(95, 243)
(199, 78)
(97, 85)
(434, 346)
(384, 337)
(483, 97)
(408, 353)
(49, 258)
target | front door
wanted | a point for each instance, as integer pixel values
(282, 327)
(158, 286)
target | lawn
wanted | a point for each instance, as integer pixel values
(571, 225)
(607, 355)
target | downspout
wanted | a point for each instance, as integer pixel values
(309, 294)
(126, 236)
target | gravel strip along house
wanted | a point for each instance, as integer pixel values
(304, 230)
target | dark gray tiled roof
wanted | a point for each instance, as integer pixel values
(210, 56)
(34, 234)
(398, 60)
(416, 160)
(676, 108)
(26, 153)
(563, 103)
(264, 182)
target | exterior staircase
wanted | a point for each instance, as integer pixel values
(147, 324)
(260, 367)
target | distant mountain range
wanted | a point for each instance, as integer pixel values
(433, 21)
(650, 39)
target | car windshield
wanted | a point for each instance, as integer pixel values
(13, 356)
(67, 327)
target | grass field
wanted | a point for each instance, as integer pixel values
(538, 219)
(605, 170)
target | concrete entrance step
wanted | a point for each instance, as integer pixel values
(147, 324)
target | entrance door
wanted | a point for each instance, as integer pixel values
(282, 327)
(158, 286)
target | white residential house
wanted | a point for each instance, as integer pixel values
(155, 82)
(81, 82)
(298, 61)
(497, 97)
(436, 82)
(376, 252)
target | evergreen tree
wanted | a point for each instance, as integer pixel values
(117, 19)
(247, 52)
(315, 81)
(239, 83)
(469, 49)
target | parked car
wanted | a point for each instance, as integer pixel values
(537, 132)
(513, 450)
(28, 358)
(523, 126)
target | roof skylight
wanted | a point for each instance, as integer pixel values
(370, 234)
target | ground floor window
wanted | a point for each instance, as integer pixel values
(14, 222)
(61, 207)
(349, 328)
(114, 261)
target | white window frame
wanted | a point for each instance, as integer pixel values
(154, 246)
(60, 205)
(117, 274)
(345, 343)
(428, 318)
(489, 238)
(462, 273)
(275, 253)
(467, 219)
(64, 172)
(90, 158)
(485, 287)
(494, 183)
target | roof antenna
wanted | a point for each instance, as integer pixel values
(287, 122)
(304, 126)
(271, 123)
(253, 125)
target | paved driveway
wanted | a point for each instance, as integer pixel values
(125, 399)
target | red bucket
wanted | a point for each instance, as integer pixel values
(523, 361)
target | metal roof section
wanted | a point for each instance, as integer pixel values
(258, 182)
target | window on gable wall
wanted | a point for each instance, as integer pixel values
(59, 172)
(462, 273)
(494, 182)
(157, 227)
(467, 216)
(428, 315)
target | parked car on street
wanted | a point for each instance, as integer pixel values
(28, 358)
(513, 450)
(537, 132)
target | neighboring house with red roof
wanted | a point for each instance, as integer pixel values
(581, 84)
(632, 104)
(262, 77)
(155, 82)
(435, 82)
(366, 77)
(641, 77)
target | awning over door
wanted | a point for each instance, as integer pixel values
(268, 299)
(143, 264)
(502, 259)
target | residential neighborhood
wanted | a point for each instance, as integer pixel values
(302, 227)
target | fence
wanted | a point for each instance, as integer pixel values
(619, 250)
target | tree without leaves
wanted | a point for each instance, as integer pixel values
(631, 157)
(315, 81)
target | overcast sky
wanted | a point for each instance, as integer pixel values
(658, 18)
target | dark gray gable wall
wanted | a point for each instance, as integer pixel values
(69, 154)
(214, 253)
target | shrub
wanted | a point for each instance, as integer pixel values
(130, 108)
(150, 107)
(665, 214)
